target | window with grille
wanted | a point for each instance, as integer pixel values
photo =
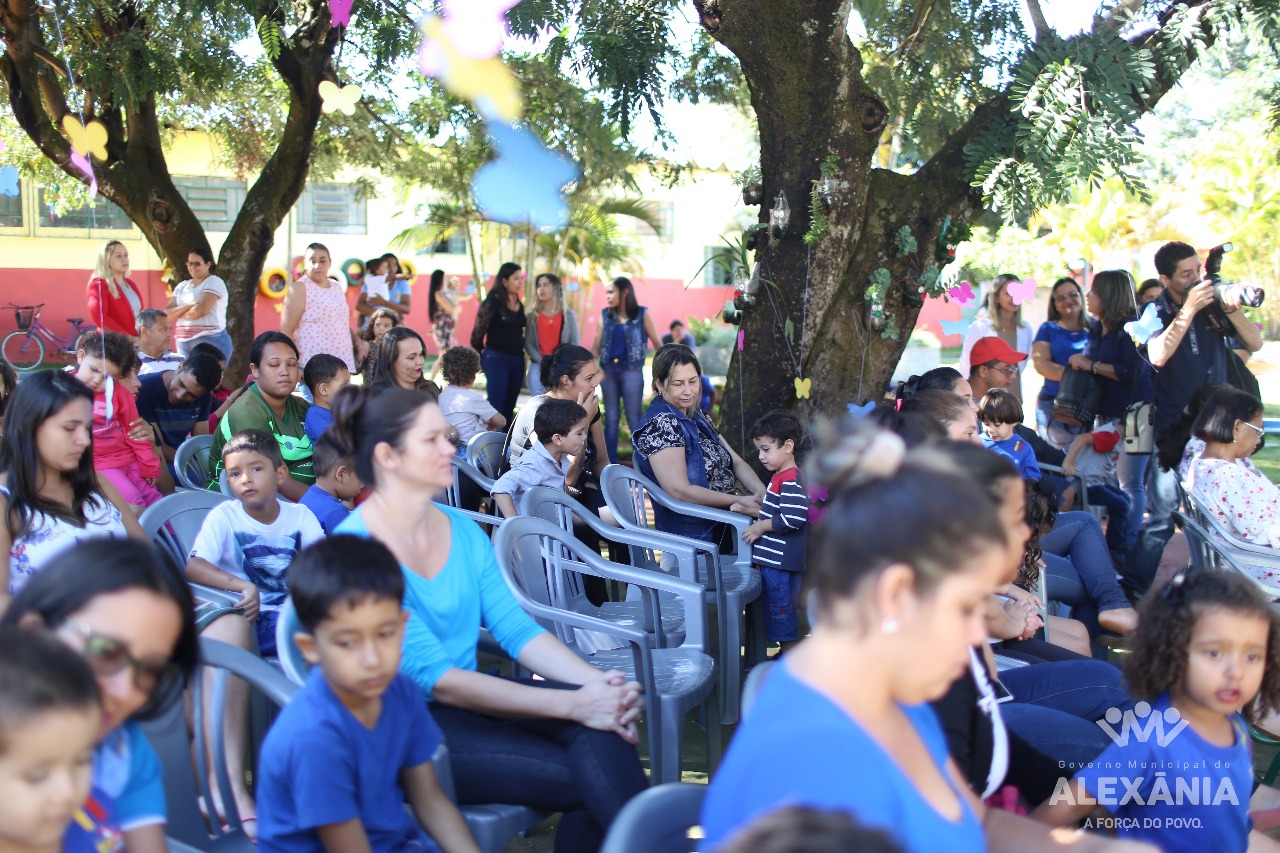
(101, 215)
(716, 273)
(215, 201)
(332, 208)
(454, 244)
(11, 209)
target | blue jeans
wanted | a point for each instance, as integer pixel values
(548, 764)
(1117, 504)
(1078, 568)
(504, 376)
(1056, 706)
(1133, 480)
(535, 379)
(782, 599)
(221, 340)
(621, 386)
(1162, 500)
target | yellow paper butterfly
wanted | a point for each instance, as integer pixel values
(803, 387)
(86, 139)
(487, 82)
(339, 99)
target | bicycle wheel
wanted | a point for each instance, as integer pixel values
(22, 349)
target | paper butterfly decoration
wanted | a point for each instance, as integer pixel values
(1145, 327)
(955, 327)
(9, 180)
(803, 387)
(486, 82)
(339, 99)
(3, 145)
(85, 168)
(1022, 291)
(742, 339)
(86, 139)
(522, 183)
(340, 12)
(863, 410)
(961, 294)
(477, 28)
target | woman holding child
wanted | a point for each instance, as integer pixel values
(677, 447)
(563, 746)
(130, 613)
(269, 404)
(52, 496)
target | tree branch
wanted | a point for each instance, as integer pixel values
(1125, 8)
(1040, 26)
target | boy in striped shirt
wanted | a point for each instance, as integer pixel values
(779, 535)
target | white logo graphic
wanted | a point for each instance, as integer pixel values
(1143, 730)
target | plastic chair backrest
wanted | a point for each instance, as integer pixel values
(484, 451)
(755, 678)
(191, 462)
(292, 663)
(658, 820)
(173, 521)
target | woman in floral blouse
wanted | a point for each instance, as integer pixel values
(1222, 481)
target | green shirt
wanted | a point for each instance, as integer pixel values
(250, 411)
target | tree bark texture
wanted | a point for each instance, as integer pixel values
(136, 176)
(811, 103)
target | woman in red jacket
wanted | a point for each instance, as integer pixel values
(114, 300)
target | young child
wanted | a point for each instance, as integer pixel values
(780, 533)
(464, 407)
(1179, 773)
(103, 360)
(336, 482)
(381, 321)
(50, 721)
(1095, 456)
(561, 428)
(325, 375)
(1000, 412)
(356, 742)
(245, 545)
(375, 284)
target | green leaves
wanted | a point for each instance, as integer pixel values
(271, 34)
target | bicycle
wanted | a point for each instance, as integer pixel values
(23, 348)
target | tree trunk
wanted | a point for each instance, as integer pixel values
(136, 176)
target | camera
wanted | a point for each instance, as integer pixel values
(1247, 295)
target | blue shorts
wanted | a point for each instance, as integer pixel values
(782, 601)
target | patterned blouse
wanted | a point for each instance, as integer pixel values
(48, 536)
(326, 324)
(664, 431)
(1244, 501)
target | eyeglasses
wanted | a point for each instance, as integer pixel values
(107, 656)
(195, 263)
(1259, 430)
(1007, 370)
(1070, 296)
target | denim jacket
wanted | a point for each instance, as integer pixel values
(664, 519)
(633, 330)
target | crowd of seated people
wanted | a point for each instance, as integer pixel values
(927, 698)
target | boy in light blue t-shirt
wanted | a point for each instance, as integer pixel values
(1000, 412)
(357, 741)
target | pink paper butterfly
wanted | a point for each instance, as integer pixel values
(81, 162)
(962, 294)
(340, 12)
(477, 28)
(1022, 291)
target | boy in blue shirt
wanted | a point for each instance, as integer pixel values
(356, 742)
(336, 482)
(1000, 412)
(325, 375)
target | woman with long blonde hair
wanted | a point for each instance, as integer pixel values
(1002, 318)
(549, 325)
(113, 300)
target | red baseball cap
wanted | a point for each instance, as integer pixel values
(994, 349)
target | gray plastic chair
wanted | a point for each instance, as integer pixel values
(484, 452)
(172, 523)
(675, 680)
(658, 820)
(560, 509)
(185, 780)
(730, 581)
(464, 470)
(1218, 549)
(191, 462)
(491, 824)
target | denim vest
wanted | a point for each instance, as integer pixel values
(633, 331)
(664, 519)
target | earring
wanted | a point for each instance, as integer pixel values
(890, 625)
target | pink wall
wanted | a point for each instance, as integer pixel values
(63, 294)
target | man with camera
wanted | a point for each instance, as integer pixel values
(1197, 319)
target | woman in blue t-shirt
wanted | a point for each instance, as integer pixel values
(561, 745)
(128, 609)
(1060, 337)
(901, 564)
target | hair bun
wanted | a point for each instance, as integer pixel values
(851, 456)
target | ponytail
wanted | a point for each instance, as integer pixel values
(566, 362)
(363, 418)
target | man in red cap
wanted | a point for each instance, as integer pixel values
(992, 364)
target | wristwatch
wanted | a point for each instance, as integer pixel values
(1093, 368)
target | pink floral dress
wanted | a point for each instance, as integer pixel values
(326, 324)
(1244, 501)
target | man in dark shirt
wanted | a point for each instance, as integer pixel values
(678, 335)
(1185, 354)
(177, 402)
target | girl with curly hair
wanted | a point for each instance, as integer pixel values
(1205, 658)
